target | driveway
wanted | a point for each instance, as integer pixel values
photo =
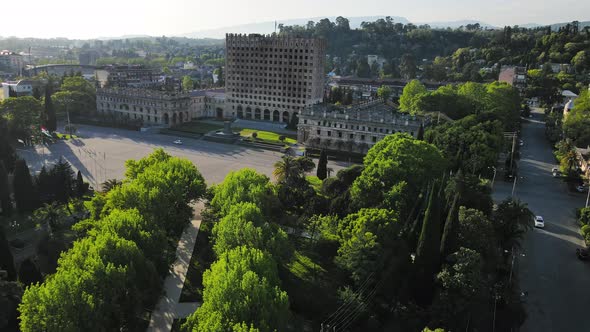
(556, 281)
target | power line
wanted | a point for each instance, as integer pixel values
(344, 307)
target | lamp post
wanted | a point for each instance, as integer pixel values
(588, 196)
(494, 177)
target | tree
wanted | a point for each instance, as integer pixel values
(187, 83)
(5, 200)
(6, 259)
(63, 180)
(12, 93)
(420, 135)
(410, 96)
(448, 243)
(476, 232)
(50, 216)
(322, 171)
(462, 285)
(245, 185)
(384, 92)
(370, 245)
(22, 114)
(102, 283)
(37, 93)
(396, 168)
(241, 288)
(245, 225)
(25, 194)
(363, 69)
(428, 250)
(407, 66)
(29, 273)
(511, 220)
(50, 120)
(110, 184)
(80, 185)
(10, 297)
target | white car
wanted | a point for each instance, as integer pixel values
(521, 142)
(177, 142)
(539, 222)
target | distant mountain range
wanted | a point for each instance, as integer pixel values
(355, 22)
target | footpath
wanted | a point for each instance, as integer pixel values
(168, 308)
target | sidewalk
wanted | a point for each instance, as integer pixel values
(168, 307)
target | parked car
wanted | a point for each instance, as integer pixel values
(582, 254)
(539, 222)
(581, 188)
(177, 142)
(555, 172)
(520, 142)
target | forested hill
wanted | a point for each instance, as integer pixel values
(446, 54)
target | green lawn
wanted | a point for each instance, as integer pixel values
(197, 127)
(203, 256)
(266, 136)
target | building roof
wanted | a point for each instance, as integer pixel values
(568, 93)
(206, 92)
(375, 111)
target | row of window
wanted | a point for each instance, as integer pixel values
(351, 136)
(353, 127)
(261, 77)
(233, 70)
(142, 102)
(245, 102)
(284, 100)
(232, 50)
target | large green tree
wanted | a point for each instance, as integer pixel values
(102, 283)
(408, 101)
(23, 115)
(396, 168)
(322, 171)
(241, 288)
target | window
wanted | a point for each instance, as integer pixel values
(362, 137)
(351, 136)
(319, 132)
(374, 139)
(329, 133)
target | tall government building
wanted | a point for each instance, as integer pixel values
(271, 77)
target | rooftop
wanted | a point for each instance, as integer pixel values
(375, 111)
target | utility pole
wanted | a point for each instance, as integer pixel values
(512, 153)
(588, 196)
(514, 186)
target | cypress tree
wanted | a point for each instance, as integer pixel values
(63, 177)
(11, 92)
(5, 201)
(322, 171)
(36, 93)
(420, 135)
(6, 259)
(50, 120)
(24, 192)
(449, 239)
(28, 273)
(80, 189)
(428, 249)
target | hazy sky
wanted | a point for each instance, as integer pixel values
(89, 19)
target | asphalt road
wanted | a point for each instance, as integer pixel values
(556, 281)
(101, 154)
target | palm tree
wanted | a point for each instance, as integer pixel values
(285, 168)
(569, 161)
(110, 184)
(49, 215)
(511, 221)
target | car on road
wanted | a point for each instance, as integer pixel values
(177, 142)
(539, 222)
(581, 188)
(520, 142)
(555, 172)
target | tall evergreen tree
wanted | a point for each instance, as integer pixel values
(11, 92)
(449, 239)
(322, 171)
(24, 191)
(28, 273)
(428, 249)
(7, 153)
(63, 177)
(5, 201)
(37, 93)
(6, 259)
(80, 188)
(420, 135)
(50, 120)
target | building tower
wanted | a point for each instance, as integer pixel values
(272, 78)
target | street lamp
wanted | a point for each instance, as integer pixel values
(494, 177)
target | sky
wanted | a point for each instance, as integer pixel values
(110, 18)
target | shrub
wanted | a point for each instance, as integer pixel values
(254, 135)
(584, 216)
(586, 233)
